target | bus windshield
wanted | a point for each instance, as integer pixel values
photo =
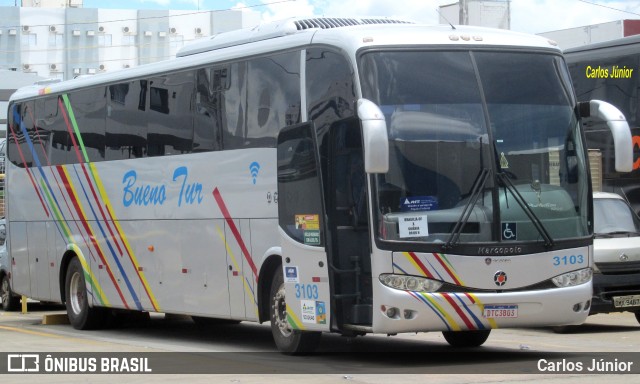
(484, 147)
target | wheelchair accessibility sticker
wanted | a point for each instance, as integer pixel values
(509, 231)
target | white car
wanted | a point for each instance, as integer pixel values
(616, 278)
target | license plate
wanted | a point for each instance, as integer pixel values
(626, 301)
(500, 311)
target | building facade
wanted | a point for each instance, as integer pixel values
(65, 41)
(596, 33)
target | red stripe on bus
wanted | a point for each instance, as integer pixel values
(446, 268)
(420, 264)
(234, 230)
(83, 221)
(455, 306)
(33, 182)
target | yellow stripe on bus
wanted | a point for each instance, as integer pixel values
(235, 265)
(123, 237)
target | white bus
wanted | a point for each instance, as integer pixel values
(328, 175)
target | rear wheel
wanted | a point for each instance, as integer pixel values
(464, 339)
(81, 315)
(288, 340)
(10, 302)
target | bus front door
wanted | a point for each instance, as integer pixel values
(302, 228)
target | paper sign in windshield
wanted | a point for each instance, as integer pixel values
(419, 203)
(413, 226)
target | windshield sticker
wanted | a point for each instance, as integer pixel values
(509, 231)
(413, 226)
(419, 203)
(312, 237)
(307, 222)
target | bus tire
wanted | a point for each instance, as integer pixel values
(81, 315)
(466, 339)
(289, 341)
(10, 302)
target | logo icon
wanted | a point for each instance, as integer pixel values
(487, 261)
(23, 363)
(254, 168)
(509, 231)
(500, 278)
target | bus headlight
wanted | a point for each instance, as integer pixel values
(410, 283)
(571, 279)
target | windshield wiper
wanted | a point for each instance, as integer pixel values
(476, 191)
(548, 241)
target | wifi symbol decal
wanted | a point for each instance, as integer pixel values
(254, 168)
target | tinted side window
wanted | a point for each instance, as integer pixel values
(15, 134)
(39, 135)
(51, 122)
(170, 126)
(89, 109)
(273, 97)
(234, 104)
(330, 91)
(207, 135)
(126, 136)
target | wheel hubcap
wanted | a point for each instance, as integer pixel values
(280, 312)
(76, 293)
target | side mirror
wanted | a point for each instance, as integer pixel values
(597, 110)
(374, 137)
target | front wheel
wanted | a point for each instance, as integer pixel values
(290, 341)
(10, 302)
(80, 314)
(464, 339)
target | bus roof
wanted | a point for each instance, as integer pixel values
(296, 33)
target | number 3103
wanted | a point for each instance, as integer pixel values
(568, 260)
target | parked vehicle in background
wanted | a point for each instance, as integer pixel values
(609, 71)
(10, 301)
(616, 277)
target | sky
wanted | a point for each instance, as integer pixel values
(530, 16)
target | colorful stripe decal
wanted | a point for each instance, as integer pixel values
(293, 320)
(418, 297)
(444, 306)
(89, 276)
(246, 283)
(16, 117)
(458, 310)
(123, 237)
(232, 226)
(80, 148)
(431, 298)
(418, 264)
(474, 299)
(75, 200)
(442, 259)
(74, 206)
(66, 232)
